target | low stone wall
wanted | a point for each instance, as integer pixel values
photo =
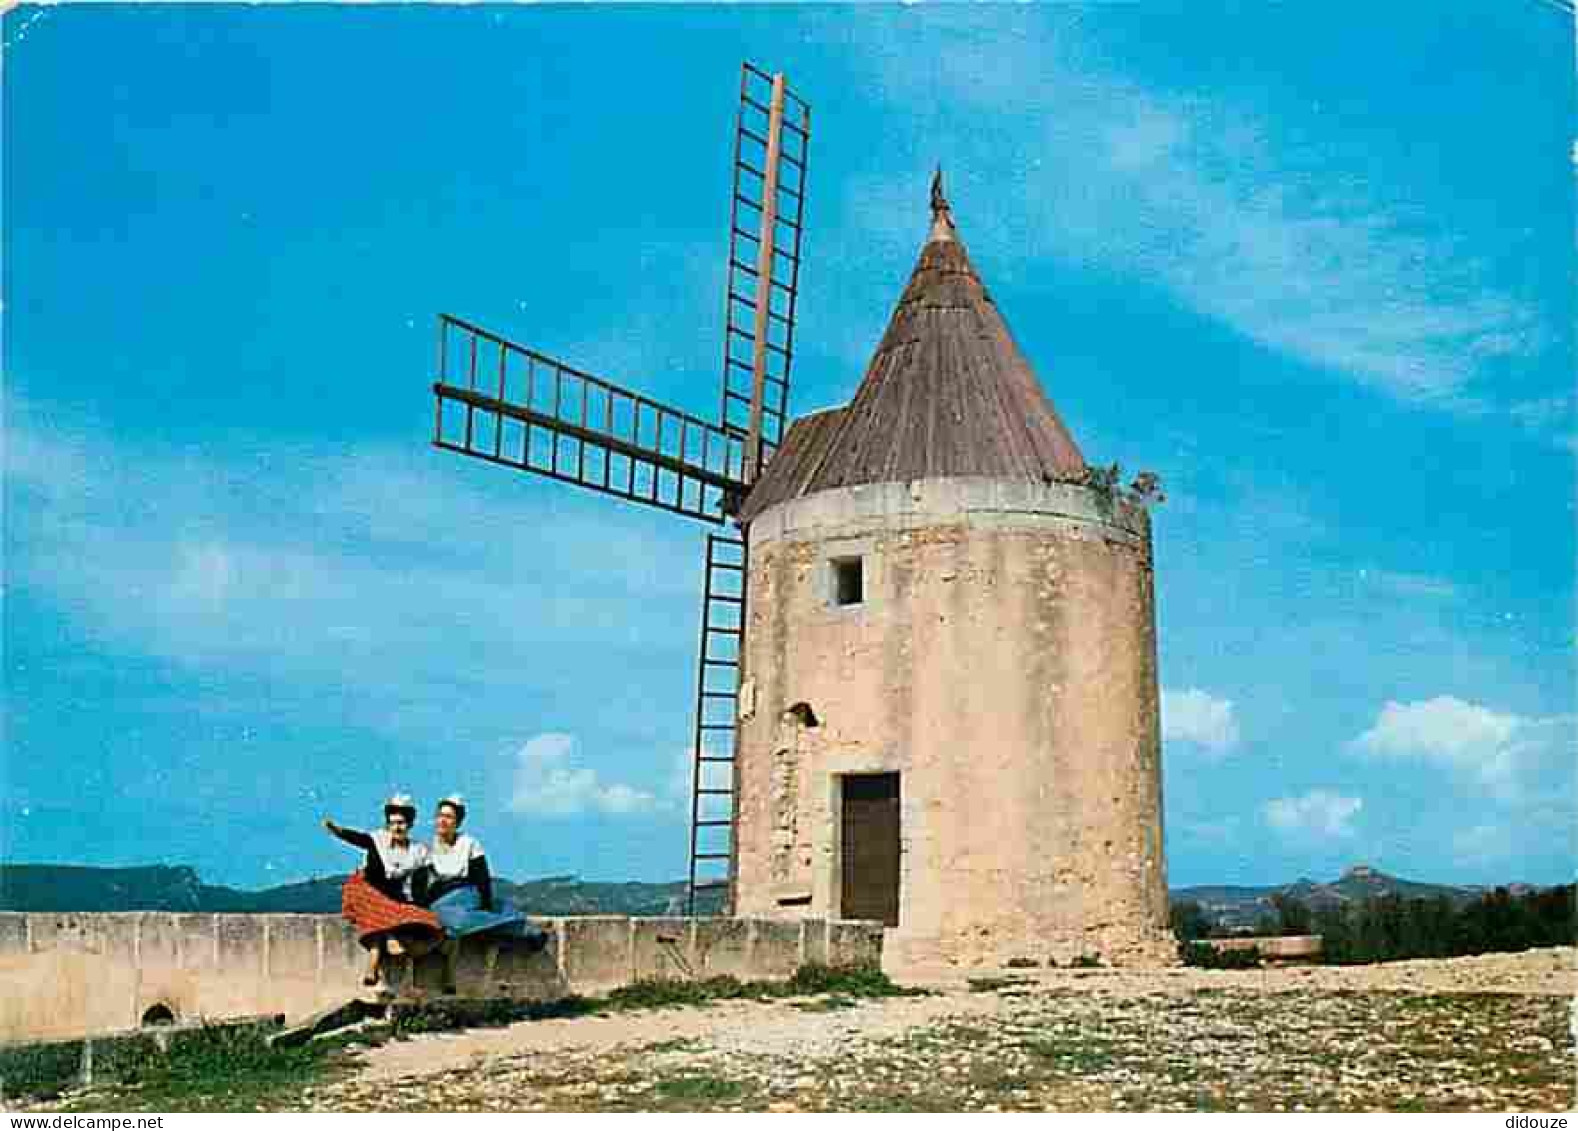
(1278, 949)
(41, 1068)
(67, 975)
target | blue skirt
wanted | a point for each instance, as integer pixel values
(460, 914)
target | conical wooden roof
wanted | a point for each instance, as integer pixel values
(947, 394)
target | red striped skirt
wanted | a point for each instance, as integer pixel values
(376, 916)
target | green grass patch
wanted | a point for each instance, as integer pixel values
(211, 1069)
(42, 1071)
(895, 1100)
(1080, 1055)
(448, 1014)
(669, 993)
(810, 980)
(854, 981)
(1207, 957)
(828, 1004)
(230, 1069)
(959, 1034)
(675, 1044)
(995, 1079)
(698, 1089)
(990, 983)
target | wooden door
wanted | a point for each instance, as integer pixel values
(870, 881)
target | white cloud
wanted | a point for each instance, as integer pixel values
(414, 584)
(548, 782)
(1214, 834)
(1503, 837)
(1550, 417)
(1482, 844)
(1409, 585)
(1200, 718)
(1495, 749)
(1271, 228)
(681, 771)
(204, 574)
(1318, 812)
(1444, 727)
(1543, 413)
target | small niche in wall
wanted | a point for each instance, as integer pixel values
(849, 581)
(158, 1014)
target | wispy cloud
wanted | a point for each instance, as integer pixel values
(1482, 844)
(1410, 585)
(397, 583)
(551, 781)
(1319, 812)
(1488, 846)
(1268, 229)
(1550, 417)
(1544, 412)
(1200, 719)
(1495, 749)
(1214, 834)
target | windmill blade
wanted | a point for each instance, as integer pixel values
(713, 742)
(510, 405)
(772, 138)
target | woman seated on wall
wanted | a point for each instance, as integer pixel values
(382, 898)
(460, 888)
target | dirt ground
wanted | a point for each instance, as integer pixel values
(1490, 1033)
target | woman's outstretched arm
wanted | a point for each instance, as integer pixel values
(353, 837)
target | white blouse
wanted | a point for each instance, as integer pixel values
(453, 861)
(399, 860)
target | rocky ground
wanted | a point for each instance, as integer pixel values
(1493, 1033)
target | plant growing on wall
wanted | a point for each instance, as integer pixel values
(1147, 488)
(1144, 490)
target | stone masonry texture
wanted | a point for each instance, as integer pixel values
(1003, 662)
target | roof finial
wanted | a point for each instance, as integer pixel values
(939, 203)
(941, 217)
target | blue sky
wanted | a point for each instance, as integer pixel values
(1311, 264)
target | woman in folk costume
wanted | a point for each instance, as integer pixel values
(381, 899)
(460, 888)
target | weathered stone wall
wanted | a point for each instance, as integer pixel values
(1003, 661)
(1276, 949)
(65, 975)
(69, 974)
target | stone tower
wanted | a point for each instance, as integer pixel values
(948, 718)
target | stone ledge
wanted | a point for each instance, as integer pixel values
(63, 975)
(994, 503)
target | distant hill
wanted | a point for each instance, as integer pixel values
(1244, 906)
(61, 887)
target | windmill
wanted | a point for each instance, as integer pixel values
(507, 404)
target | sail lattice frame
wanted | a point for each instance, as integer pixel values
(505, 403)
(715, 740)
(754, 144)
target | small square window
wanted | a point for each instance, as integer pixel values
(849, 582)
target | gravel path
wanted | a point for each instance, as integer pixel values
(1489, 1033)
